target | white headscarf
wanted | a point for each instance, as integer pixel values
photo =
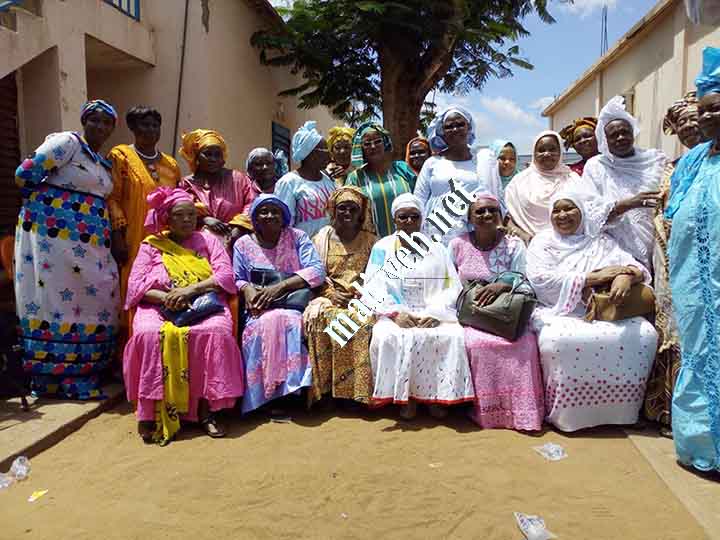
(557, 265)
(436, 133)
(406, 200)
(529, 193)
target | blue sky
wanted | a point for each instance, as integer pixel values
(510, 108)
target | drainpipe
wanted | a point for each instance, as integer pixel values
(180, 78)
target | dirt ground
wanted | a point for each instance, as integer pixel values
(339, 475)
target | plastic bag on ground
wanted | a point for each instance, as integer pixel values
(533, 527)
(551, 451)
(19, 470)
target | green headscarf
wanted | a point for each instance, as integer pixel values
(357, 158)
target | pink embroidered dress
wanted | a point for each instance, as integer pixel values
(214, 358)
(506, 374)
(276, 359)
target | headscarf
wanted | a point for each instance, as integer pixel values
(161, 201)
(708, 80)
(418, 139)
(568, 132)
(487, 196)
(264, 198)
(339, 133)
(194, 142)
(305, 140)
(356, 195)
(488, 169)
(436, 134)
(613, 110)
(279, 158)
(357, 158)
(680, 108)
(528, 196)
(406, 200)
(97, 105)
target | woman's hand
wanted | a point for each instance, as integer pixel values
(646, 199)
(486, 295)
(266, 296)
(118, 247)
(620, 289)
(216, 226)
(427, 322)
(341, 298)
(179, 298)
(405, 320)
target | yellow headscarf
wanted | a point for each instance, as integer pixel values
(339, 133)
(568, 132)
(196, 140)
(356, 195)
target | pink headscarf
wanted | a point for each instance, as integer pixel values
(161, 202)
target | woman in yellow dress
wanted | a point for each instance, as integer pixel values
(137, 170)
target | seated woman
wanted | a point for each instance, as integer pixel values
(417, 349)
(344, 247)
(506, 374)
(220, 193)
(595, 372)
(172, 268)
(276, 359)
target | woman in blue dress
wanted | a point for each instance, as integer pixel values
(694, 208)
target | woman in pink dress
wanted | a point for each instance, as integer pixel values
(506, 374)
(213, 359)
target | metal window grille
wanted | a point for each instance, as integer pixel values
(131, 8)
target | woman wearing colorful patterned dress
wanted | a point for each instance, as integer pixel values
(66, 281)
(275, 357)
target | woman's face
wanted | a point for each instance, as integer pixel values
(269, 219)
(97, 128)
(373, 146)
(547, 153)
(566, 217)
(408, 220)
(210, 160)
(507, 160)
(709, 115)
(348, 214)
(262, 169)
(182, 220)
(484, 214)
(688, 128)
(585, 142)
(620, 138)
(146, 131)
(419, 153)
(319, 158)
(341, 152)
(456, 129)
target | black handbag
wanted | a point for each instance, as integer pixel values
(297, 299)
(201, 308)
(509, 313)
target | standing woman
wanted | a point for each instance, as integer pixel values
(340, 146)
(681, 120)
(138, 169)
(528, 195)
(417, 153)
(694, 266)
(380, 178)
(306, 190)
(450, 135)
(264, 169)
(220, 193)
(66, 281)
(496, 166)
(580, 136)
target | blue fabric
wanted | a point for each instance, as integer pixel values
(97, 105)
(305, 140)
(684, 175)
(273, 199)
(436, 133)
(709, 79)
(694, 258)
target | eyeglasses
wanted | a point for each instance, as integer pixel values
(408, 217)
(488, 209)
(373, 142)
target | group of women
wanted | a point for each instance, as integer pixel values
(112, 253)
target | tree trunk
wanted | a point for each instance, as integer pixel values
(401, 114)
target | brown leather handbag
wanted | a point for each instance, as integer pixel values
(639, 303)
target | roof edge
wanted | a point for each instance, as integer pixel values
(267, 11)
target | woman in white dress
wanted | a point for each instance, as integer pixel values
(417, 349)
(594, 372)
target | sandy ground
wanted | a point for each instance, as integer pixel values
(339, 475)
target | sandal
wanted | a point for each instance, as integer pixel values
(211, 428)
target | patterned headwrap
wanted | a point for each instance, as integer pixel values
(269, 198)
(356, 195)
(160, 202)
(709, 79)
(568, 132)
(196, 140)
(436, 133)
(97, 105)
(339, 133)
(279, 158)
(418, 139)
(681, 107)
(305, 140)
(357, 158)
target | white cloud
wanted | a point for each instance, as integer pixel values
(509, 110)
(583, 8)
(541, 103)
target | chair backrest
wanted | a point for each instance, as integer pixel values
(7, 247)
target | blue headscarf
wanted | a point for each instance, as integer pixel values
(709, 79)
(264, 198)
(436, 133)
(305, 140)
(97, 105)
(496, 147)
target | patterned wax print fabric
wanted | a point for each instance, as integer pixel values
(342, 371)
(694, 267)
(274, 353)
(307, 200)
(382, 190)
(214, 361)
(66, 281)
(429, 365)
(506, 374)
